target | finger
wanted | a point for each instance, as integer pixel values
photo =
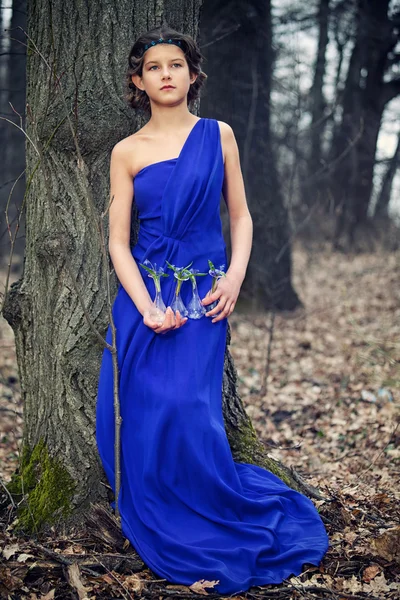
(209, 298)
(183, 321)
(170, 318)
(177, 322)
(152, 324)
(168, 322)
(164, 325)
(159, 329)
(178, 319)
(223, 314)
(220, 306)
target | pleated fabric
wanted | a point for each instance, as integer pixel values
(191, 511)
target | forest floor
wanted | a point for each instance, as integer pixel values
(325, 400)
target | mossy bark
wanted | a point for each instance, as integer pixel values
(43, 488)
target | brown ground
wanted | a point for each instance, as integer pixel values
(331, 410)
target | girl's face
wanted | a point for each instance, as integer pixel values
(165, 64)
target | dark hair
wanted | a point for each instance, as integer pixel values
(138, 99)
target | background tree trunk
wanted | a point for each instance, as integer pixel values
(316, 92)
(58, 354)
(236, 39)
(343, 155)
(365, 97)
(12, 148)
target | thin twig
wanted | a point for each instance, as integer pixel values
(116, 579)
(7, 492)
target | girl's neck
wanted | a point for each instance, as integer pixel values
(171, 120)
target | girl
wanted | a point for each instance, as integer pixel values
(187, 507)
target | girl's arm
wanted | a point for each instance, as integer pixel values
(241, 229)
(121, 195)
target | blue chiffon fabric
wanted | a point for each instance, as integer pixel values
(191, 511)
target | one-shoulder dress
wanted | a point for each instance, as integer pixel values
(191, 511)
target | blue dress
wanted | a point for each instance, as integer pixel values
(190, 511)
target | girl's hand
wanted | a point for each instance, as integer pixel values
(227, 292)
(171, 321)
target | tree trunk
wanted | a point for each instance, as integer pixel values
(343, 157)
(379, 44)
(382, 204)
(12, 83)
(236, 39)
(365, 96)
(316, 92)
(58, 352)
(366, 152)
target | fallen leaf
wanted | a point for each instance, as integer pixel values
(134, 583)
(352, 585)
(320, 580)
(387, 545)
(23, 557)
(370, 572)
(10, 550)
(198, 586)
(379, 584)
(74, 579)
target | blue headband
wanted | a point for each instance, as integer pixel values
(160, 41)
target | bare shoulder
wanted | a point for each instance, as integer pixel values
(228, 140)
(226, 131)
(121, 150)
(125, 151)
(225, 128)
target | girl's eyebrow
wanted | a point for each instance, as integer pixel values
(155, 61)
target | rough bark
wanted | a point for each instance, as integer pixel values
(236, 39)
(58, 353)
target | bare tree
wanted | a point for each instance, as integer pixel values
(327, 138)
(368, 89)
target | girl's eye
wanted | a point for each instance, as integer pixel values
(174, 64)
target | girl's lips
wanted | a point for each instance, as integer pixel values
(168, 87)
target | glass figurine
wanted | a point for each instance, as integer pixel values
(216, 274)
(181, 274)
(158, 308)
(195, 308)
